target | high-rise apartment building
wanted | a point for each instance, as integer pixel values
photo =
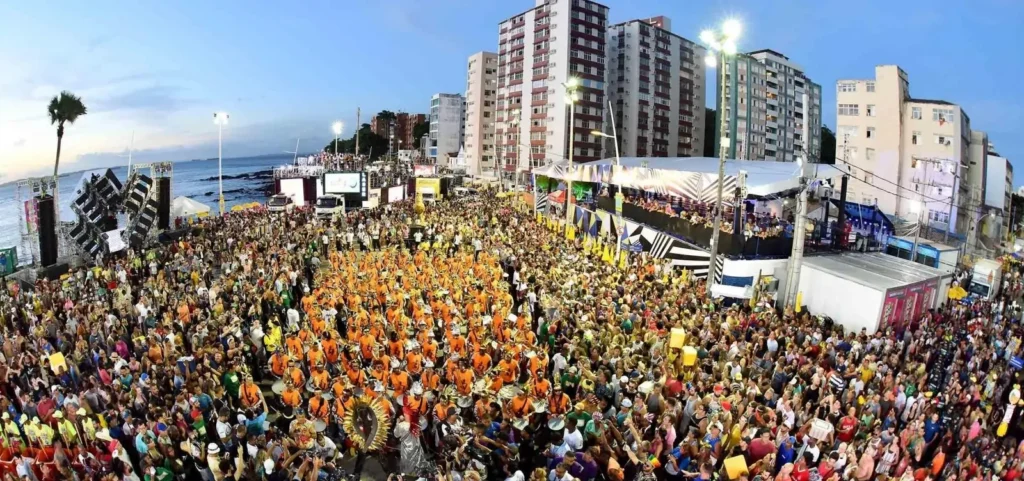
(656, 84)
(910, 157)
(539, 51)
(481, 94)
(400, 128)
(446, 113)
(773, 110)
(998, 194)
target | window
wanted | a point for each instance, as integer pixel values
(870, 86)
(915, 113)
(869, 154)
(942, 139)
(942, 115)
(870, 132)
(844, 131)
(914, 137)
(849, 109)
(938, 216)
(871, 110)
(847, 87)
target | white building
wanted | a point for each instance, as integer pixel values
(998, 194)
(656, 84)
(539, 50)
(446, 113)
(481, 92)
(909, 156)
(773, 110)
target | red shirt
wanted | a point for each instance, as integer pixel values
(850, 423)
(801, 474)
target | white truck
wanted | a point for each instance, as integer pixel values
(328, 205)
(280, 203)
(986, 278)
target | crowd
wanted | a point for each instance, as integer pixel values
(480, 345)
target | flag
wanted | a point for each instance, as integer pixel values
(622, 260)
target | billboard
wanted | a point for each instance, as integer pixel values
(429, 185)
(293, 188)
(343, 183)
(396, 193)
(422, 170)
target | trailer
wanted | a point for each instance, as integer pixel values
(870, 291)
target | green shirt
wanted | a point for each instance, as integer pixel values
(231, 383)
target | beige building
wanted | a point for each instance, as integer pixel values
(481, 90)
(909, 156)
(656, 84)
(773, 110)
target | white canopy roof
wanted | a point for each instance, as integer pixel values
(874, 270)
(183, 207)
(692, 177)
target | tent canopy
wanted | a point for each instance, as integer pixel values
(691, 177)
(874, 270)
(184, 207)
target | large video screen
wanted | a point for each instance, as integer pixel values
(343, 183)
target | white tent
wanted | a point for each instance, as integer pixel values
(184, 207)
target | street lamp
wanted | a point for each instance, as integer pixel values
(337, 127)
(724, 43)
(618, 195)
(221, 119)
(572, 96)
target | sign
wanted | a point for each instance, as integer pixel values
(1016, 362)
(30, 215)
(422, 170)
(618, 203)
(8, 260)
(343, 183)
(57, 362)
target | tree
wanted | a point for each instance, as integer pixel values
(828, 146)
(418, 131)
(386, 115)
(710, 126)
(369, 143)
(64, 108)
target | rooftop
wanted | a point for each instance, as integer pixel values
(768, 50)
(930, 101)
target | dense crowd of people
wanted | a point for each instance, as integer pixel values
(493, 348)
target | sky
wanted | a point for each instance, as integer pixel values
(287, 70)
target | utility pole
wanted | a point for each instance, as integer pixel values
(357, 131)
(723, 143)
(797, 255)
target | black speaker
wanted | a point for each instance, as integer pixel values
(164, 207)
(54, 271)
(47, 230)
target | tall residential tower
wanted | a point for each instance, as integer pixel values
(481, 91)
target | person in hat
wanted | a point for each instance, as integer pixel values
(66, 429)
(302, 431)
(12, 432)
(291, 397)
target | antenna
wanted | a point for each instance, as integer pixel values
(131, 148)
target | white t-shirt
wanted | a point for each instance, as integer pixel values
(573, 439)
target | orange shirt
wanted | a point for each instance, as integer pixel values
(519, 406)
(317, 407)
(464, 381)
(319, 326)
(441, 410)
(278, 363)
(541, 387)
(320, 379)
(298, 378)
(331, 350)
(558, 405)
(314, 356)
(400, 382)
(430, 350)
(366, 343)
(294, 345)
(291, 397)
(414, 362)
(459, 345)
(481, 362)
(508, 371)
(431, 381)
(250, 394)
(396, 348)
(416, 404)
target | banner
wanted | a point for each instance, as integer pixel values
(423, 170)
(31, 220)
(8, 260)
(429, 185)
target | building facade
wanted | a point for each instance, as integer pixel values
(398, 131)
(656, 85)
(446, 114)
(910, 157)
(539, 51)
(772, 109)
(481, 94)
(998, 194)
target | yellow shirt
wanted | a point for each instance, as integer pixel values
(272, 339)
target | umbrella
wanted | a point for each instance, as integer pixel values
(184, 207)
(956, 293)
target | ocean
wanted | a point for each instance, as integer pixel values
(196, 179)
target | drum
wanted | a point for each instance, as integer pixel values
(508, 392)
(540, 406)
(400, 400)
(328, 395)
(820, 429)
(423, 423)
(556, 423)
(320, 425)
(464, 401)
(278, 387)
(309, 386)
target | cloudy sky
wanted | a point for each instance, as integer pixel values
(288, 69)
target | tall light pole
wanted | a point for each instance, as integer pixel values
(572, 95)
(724, 43)
(337, 127)
(618, 195)
(221, 119)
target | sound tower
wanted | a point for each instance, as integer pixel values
(164, 207)
(47, 231)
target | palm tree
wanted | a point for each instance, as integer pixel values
(66, 107)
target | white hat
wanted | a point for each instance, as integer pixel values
(103, 435)
(379, 387)
(268, 465)
(6, 415)
(395, 363)
(58, 414)
(428, 363)
(626, 403)
(417, 389)
(212, 448)
(623, 380)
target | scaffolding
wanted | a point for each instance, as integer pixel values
(28, 221)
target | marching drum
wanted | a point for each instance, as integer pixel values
(508, 392)
(278, 387)
(464, 401)
(540, 406)
(556, 423)
(320, 425)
